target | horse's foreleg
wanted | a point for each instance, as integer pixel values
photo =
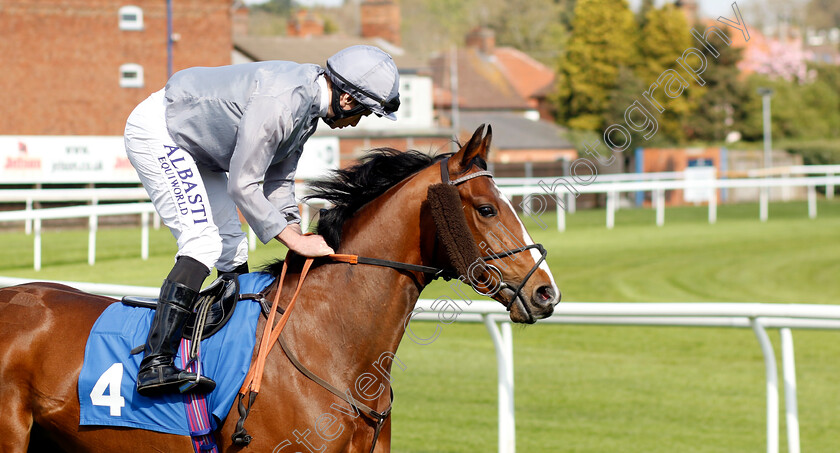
(15, 422)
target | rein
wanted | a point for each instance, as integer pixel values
(271, 334)
(446, 274)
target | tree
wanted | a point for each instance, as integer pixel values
(279, 7)
(823, 14)
(536, 27)
(665, 37)
(603, 39)
(435, 25)
(532, 26)
(723, 107)
(798, 111)
(622, 96)
(641, 16)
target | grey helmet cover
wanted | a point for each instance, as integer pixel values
(370, 76)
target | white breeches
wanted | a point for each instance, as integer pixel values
(191, 200)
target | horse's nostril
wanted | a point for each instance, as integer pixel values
(545, 293)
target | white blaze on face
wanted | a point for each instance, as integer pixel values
(528, 241)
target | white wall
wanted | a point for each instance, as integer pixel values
(415, 109)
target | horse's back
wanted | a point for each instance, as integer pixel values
(47, 311)
(43, 331)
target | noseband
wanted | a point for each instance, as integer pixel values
(464, 237)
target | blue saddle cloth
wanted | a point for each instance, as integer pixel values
(108, 379)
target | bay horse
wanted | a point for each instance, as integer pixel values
(348, 317)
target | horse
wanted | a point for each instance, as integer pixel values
(346, 328)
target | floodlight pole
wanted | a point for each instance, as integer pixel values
(453, 89)
(765, 105)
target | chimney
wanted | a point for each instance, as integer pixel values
(381, 19)
(303, 23)
(483, 39)
(240, 19)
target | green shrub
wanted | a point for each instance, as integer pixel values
(817, 152)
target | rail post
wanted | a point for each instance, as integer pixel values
(763, 201)
(561, 218)
(713, 205)
(28, 227)
(503, 342)
(772, 385)
(789, 379)
(659, 200)
(93, 225)
(37, 246)
(144, 235)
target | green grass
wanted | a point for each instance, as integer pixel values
(590, 389)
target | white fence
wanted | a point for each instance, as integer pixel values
(92, 196)
(756, 316)
(536, 196)
(92, 212)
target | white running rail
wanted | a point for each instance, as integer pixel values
(92, 212)
(533, 193)
(756, 316)
(540, 194)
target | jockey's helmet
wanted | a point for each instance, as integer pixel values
(370, 76)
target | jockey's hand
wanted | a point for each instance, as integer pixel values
(309, 246)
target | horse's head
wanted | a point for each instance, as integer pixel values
(485, 240)
(460, 219)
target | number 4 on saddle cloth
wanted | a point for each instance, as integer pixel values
(108, 379)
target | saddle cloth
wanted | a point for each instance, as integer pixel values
(107, 383)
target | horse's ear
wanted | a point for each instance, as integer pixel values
(485, 144)
(478, 145)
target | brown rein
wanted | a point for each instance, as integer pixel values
(270, 336)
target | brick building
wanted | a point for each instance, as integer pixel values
(506, 88)
(381, 19)
(79, 68)
(306, 42)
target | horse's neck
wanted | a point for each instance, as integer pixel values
(352, 314)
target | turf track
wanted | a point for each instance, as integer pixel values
(589, 389)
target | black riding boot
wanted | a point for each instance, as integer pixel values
(157, 373)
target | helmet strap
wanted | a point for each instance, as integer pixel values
(338, 112)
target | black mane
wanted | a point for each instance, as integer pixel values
(351, 188)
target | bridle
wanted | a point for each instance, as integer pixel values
(449, 273)
(445, 179)
(272, 334)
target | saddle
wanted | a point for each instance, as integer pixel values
(222, 294)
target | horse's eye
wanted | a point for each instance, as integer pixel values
(486, 211)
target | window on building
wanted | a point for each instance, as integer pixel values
(131, 18)
(405, 98)
(131, 75)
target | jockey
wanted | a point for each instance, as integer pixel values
(217, 139)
